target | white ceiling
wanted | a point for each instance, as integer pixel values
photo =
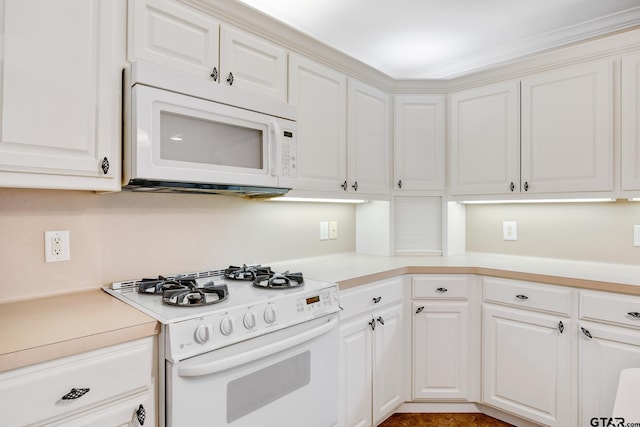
(408, 39)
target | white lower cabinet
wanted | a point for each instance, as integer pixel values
(108, 387)
(371, 353)
(609, 341)
(527, 354)
(446, 338)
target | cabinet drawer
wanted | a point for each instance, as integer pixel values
(363, 298)
(611, 308)
(441, 286)
(35, 393)
(534, 296)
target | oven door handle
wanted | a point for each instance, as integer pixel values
(258, 353)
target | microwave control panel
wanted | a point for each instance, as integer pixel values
(289, 153)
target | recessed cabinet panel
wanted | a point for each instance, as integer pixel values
(419, 142)
(484, 134)
(631, 122)
(167, 33)
(567, 139)
(251, 63)
(321, 96)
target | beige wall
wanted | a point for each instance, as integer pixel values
(589, 231)
(121, 236)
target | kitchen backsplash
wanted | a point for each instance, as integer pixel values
(583, 231)
(123, 236)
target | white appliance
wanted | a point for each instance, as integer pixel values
(183, 133)
(256, 356)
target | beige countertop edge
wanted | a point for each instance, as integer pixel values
(78, 345)
(483, 271)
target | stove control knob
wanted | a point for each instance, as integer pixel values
(270, 315)
(227, 325)
(249, 320)
(203, 333)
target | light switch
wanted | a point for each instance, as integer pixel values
(324, 230)
(509, 230)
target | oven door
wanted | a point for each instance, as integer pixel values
(288, 378)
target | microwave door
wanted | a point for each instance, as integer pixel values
(187, 139)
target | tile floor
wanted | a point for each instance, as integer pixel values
(442, 420)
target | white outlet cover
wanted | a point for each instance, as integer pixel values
(55, 253)
(333, 230)
(509, 230)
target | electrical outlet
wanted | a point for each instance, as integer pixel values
(56, 246)
(324, 230)
(509, 230)
(333, 230)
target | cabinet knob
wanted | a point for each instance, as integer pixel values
(380, 320)
(104, 165)
(561, 327)
(355, 186)
(377, 299)
(586, 332)
(230, 79)
(214, 74)
(526, 186)
(522, 297)
(634, 314)
(141, 414)
(512, 187)
(420, 309)
(442, 290)
(76, 393)
(372, 324)
(399, 183)
(344, 185)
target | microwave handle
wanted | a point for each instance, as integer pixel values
(275, 147)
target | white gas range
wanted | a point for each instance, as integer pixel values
(243, 346)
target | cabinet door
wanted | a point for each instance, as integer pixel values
(356, 364)
(61, 88)
(441, 350)
(610, 350)
(170, 34)
(387, 361)
(631, 122)
(526, 364)
(567, 140)
(484, 131)
(321, 96)
(419, 142)
(368, 140)
(251, 63)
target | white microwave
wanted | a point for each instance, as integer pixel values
(184, 134)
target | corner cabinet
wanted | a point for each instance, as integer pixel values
(446, 338)
(419, 142)
(113, 386)
(527, 350)
(61, 93)
(185, 39)
(371, 353)
(556, 136)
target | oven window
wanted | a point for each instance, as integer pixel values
(259, 388)
(195, 140)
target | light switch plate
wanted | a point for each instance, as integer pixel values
(509, 230)
(324, 230)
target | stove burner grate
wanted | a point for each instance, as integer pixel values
(247, 272)
(284, 280)
(193, 295)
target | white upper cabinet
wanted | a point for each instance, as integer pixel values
(368, 117)
(484, 132)
(419, 142)
(567, 132)
(61, 93)
(320, 93)
(176, 36)
(631, 122)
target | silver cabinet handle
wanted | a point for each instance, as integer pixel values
(526, 186)
(442, 290)
(522, 297)
(355, 186)
(380, 320)
(377, 299)
(372, 324)
(586, 333)
(214, 74)
(104, 165)
(141, 414)
(561, 326)
(344, 185)
(399, 183)
(634, 314)
(512, 187)
(230, 79)
(420, 309)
